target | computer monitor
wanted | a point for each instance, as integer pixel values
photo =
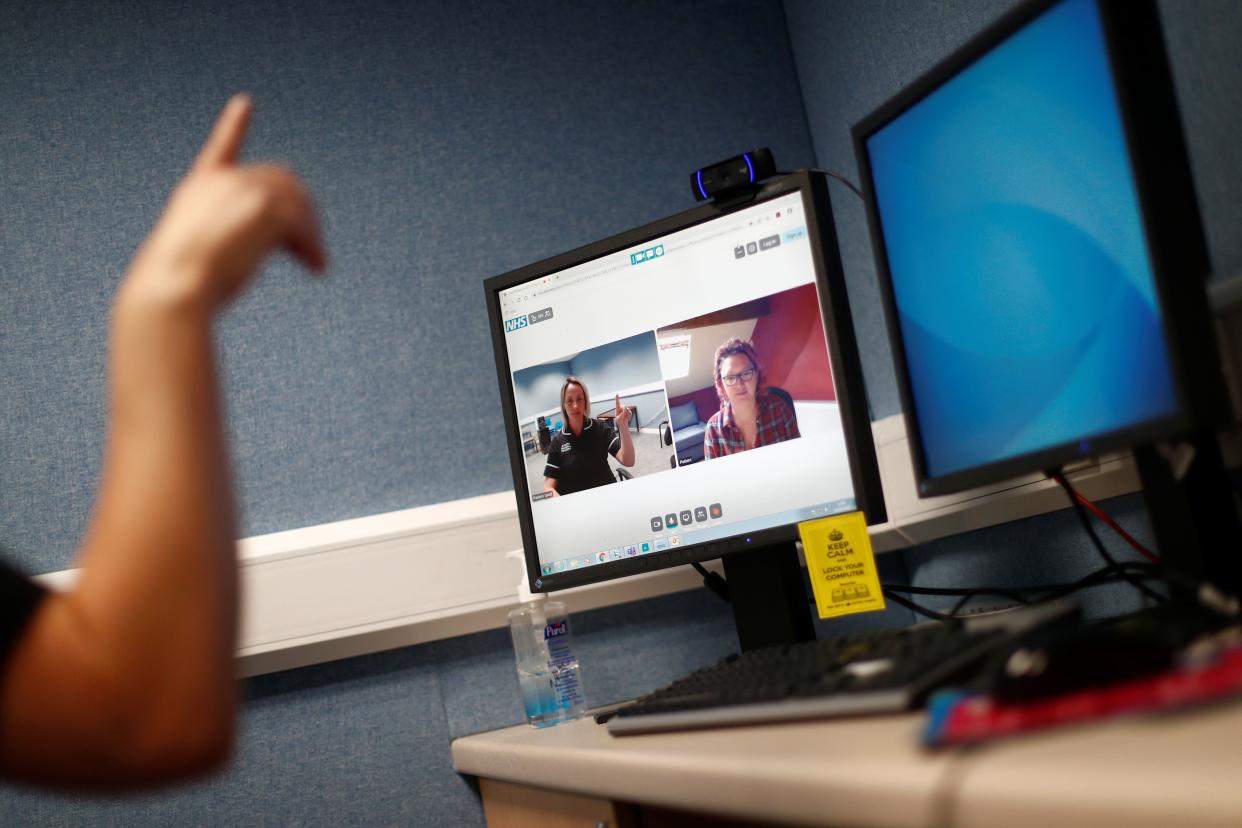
(638, 320)
(1040, 253)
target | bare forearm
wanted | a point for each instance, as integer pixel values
(164, 518)
(626, 455)
(148, 632)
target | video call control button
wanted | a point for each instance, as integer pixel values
(657, 524)
(686, 517)
(670, 521)
(715, 510)
(700, 514)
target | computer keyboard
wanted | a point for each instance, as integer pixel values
(878, 672)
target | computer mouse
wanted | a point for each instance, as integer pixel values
(1057, 661)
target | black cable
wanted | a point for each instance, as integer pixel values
(918, 608)
(713, 581)
(1007, 590)
(1095, 539)
(969, 592)
(1112, 573)
(853, 187)
(842, 179)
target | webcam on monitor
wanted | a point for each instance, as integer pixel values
(732, 176)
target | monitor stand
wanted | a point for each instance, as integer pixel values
(767, 589)
(1193, 514)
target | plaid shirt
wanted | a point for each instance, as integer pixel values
(776, 423)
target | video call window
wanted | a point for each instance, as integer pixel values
(585, 454)
(736, 377)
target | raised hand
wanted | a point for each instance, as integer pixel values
(622, 415)
(223, 220)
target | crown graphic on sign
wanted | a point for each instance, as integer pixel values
(835, 535)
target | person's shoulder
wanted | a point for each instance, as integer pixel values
(716, 419)
(770, 399)
(19, 596)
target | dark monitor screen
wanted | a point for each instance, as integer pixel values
(653, 457)
(1016, 248)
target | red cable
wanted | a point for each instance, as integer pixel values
(1110, 523)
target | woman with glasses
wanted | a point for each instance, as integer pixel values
(750, 414)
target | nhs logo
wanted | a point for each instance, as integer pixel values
(515, 323)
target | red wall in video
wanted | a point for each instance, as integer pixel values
(791, 341)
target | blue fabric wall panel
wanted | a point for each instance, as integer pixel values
(444, 144)
(358, 742)
(1202, 39)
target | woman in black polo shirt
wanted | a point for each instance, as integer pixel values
(578, 455)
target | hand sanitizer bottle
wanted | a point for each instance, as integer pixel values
(546, 665)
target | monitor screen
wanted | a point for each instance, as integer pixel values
(1014, 255)
(681, 389)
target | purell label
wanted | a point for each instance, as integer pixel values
(556, 630)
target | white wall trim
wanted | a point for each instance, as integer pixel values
(358, 586)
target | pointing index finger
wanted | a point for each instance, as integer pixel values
(224, 144)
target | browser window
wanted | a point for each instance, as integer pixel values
(718, 445)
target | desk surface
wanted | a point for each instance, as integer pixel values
(1182, 769)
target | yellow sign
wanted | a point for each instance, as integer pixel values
(841, 565)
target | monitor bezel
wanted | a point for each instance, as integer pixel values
(1173, 232)
(842, 350)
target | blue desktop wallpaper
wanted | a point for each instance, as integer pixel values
(1016, 248)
